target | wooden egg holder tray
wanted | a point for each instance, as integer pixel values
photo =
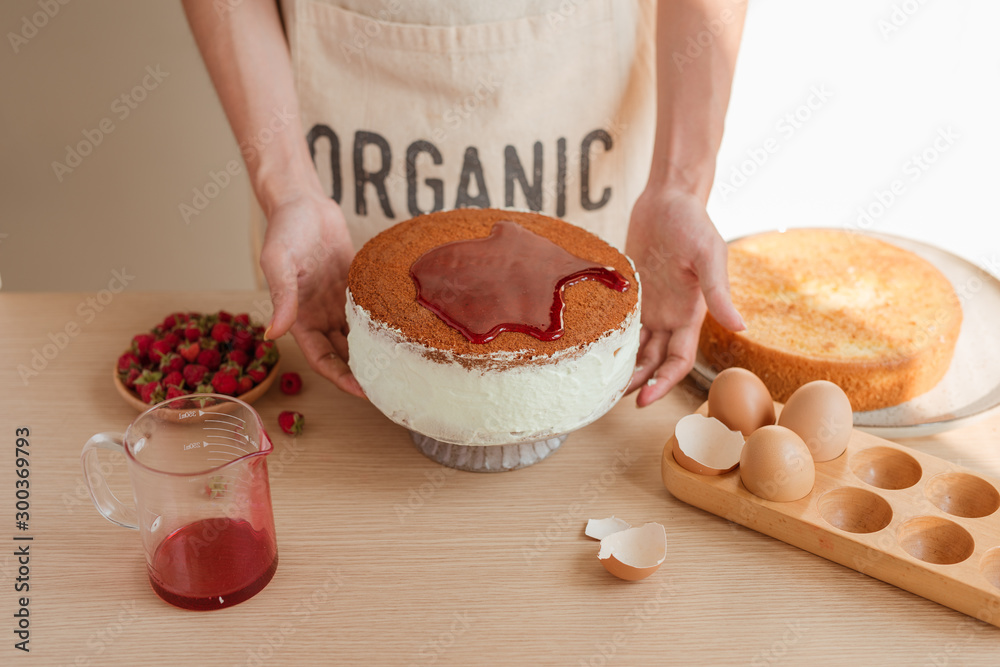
(908, 518)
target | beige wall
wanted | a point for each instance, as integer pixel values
(120, 206)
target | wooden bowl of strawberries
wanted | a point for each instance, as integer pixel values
(191, 353)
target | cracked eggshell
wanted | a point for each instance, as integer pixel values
(635, 553)
(601, 528)
(706, 446)
(740, 400)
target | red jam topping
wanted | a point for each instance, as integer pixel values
(511, 280)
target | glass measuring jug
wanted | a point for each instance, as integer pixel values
(198, 470)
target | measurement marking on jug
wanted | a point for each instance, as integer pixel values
(220, 444)
(192, 445)
(231, 425)
(231, 456)
(227, 430)
(212, 435)
(220, 414)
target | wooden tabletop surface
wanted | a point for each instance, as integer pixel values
(388, 558)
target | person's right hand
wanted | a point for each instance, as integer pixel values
(305, 257)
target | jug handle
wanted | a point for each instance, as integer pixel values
(106, 502)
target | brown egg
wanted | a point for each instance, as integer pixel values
(820, 413)
(739, 399)
(777, 465)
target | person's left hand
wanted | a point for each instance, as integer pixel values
(681, 259)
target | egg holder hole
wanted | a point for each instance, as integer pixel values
(962, 494)
(886, 468)
(855, 510)
(935, 540)
(990, 566)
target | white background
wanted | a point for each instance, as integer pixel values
(891, 93)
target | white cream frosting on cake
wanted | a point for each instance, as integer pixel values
(506, 403)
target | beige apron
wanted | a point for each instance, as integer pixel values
(411, 109)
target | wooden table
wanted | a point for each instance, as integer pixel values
(388, 558)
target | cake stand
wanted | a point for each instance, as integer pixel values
(486, 458)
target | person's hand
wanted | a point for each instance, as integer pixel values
(305, 257)
(681, 260)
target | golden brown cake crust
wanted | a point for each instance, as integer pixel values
(380, 282)
(875, 319)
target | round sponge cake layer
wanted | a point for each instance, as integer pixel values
(875, 319)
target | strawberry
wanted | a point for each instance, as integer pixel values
(225, 317)
(189, 350)
(239, 357)
(291, 422)
(291, 383)
(141, 344)
(147, 376)
(232, 368)
(172, 320)
(158, 349)
(174, 392)
(171, 362)
(246, 383)
(243, 340)
(225, 383)
(132, 376)
(203, 388)
(192, 332)
(222, 332)
(151, 392)
(194, 373)
(210, 359)
(127, 361)
(174, 379)
(266, 352)
(257, 372)
(172, 338)
(242, 319)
